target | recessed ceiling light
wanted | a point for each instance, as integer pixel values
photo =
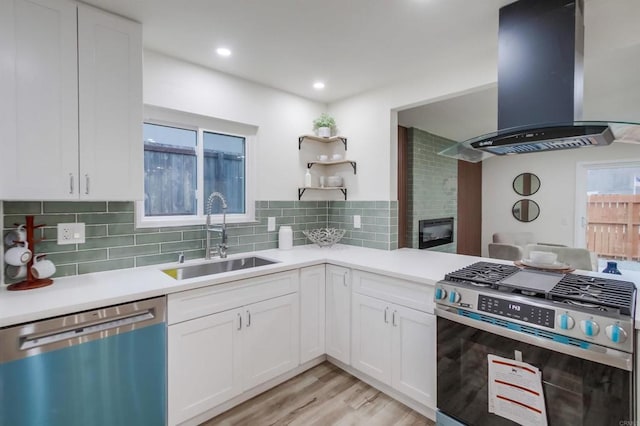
(223, 51)
(318, 85)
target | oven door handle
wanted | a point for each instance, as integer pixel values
(595, 353)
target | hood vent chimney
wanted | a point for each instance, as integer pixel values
(540, 56)
(540, 84)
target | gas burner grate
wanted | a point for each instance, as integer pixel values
(596, 290)
(482, 273)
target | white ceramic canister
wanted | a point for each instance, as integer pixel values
(285, 238)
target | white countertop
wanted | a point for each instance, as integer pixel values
(90, 291)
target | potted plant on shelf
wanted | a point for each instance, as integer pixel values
(324, 124)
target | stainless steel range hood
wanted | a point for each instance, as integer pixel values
(540, 84)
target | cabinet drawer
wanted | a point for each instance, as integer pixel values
(394, 290)
(196, 303)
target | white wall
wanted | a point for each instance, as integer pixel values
(556, 197)
(370, 119)
(280, 117)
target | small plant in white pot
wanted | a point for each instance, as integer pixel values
(324, 124)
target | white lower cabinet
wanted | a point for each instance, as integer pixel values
(215, 357)
(270, 342)
(312, 312)
(204, 364)
(394, 344)
(413, 354)
(338, 313)
(371, 337)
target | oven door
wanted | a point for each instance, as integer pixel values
(577, 391)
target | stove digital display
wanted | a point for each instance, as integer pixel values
(516, 310)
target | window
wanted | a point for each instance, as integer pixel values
(170, 170)
(184, 163)
(224, 169)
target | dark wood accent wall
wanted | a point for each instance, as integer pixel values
(402, 185)
(469, 208)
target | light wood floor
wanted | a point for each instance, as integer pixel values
(323, 395)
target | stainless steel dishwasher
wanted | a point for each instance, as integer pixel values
(101, 367)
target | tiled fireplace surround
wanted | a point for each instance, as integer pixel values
(113, 242)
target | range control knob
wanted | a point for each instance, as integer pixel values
(454, 296)
(615, 333)
(590, 328)
(566, 321)
(440, 293)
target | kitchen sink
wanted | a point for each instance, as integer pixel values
(219, 267)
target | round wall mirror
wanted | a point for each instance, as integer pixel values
(526, 210)
(526, 184)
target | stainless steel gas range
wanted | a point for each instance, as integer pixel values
(576, 330)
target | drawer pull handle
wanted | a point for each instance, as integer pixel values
(248, 318)
(239, 322)
(386, 312)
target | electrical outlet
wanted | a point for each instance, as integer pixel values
(70, 233)
(356, 221)
(271, 223)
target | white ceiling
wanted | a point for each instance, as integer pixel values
(611, 79)
(351, 45)
(357, 45)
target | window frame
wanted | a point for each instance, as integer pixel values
(201, 124)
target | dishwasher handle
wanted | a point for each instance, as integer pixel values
(47, 335)
(72, 336)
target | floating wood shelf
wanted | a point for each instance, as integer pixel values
(326, 188)
(325, 140)
(333, 162)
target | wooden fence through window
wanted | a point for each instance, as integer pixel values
(613, 226)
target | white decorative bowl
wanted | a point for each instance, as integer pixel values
(543, 257)
(324, 237)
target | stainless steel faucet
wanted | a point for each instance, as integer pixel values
(221, 249)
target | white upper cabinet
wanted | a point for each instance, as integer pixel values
(110, 82)
(70, 103)
(38, 99)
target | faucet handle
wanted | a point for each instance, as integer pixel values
(181, 257)
(222, 250)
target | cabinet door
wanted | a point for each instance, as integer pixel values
(204, 362)
(38, 100)
(110, 69)
(414, 354)
(371, 337)
(312, 310)
(338, 313)
(270, 339)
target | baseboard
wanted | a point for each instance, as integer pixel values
(245, 396)
(386, 389)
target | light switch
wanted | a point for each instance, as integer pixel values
(356, 221)
(271, 223)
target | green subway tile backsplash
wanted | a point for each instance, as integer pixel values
(432, 184)
(113, 241)
(73, 207)
(108, 265)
